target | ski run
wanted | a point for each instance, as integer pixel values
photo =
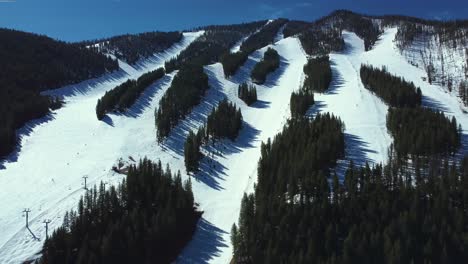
(46, 174)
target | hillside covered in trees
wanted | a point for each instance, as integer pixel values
(233, 61)
(186, 90)
(31, 64)
(147, 218)
(215, 43)
(124, 95)
(133, 47)
(377, 215)
(247, 93)
(269, 63)
(318, 74)
(422, 131)
(394, 91)
(224, 121)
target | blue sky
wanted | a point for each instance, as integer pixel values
(74, 20)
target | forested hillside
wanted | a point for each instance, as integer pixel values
(31, 64)
(124, 95)
(395, 91)
(186, 91)
(147, 218)
(215, 43)
(232, 61)
(132, 48)
(269, 63)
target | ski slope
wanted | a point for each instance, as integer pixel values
(363, 113)
(235, 168)
(45, 174)
(434, 95)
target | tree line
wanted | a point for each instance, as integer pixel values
(31, 64)
(224, 121)
(290, 173)
(423, 131)
(269, 63)
(124, 95)
(317, 41)
(213, 46)
(415, 129)
(264, 37)
(134, 47)
(393, 90)
(300, 102)
(398, 213)
(233, 61)
(318, 74)
(186, 91)
(247, 93)
(147, 218)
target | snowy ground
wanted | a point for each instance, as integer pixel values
(45, 175)
(434, 96)
(363, 113)
(236, 168)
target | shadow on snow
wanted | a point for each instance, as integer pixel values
(22, 132)
(205, 244)
(357, 150)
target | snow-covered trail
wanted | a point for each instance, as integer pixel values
(235, 169)
(45, 174)
(434, 96)
(363, 113)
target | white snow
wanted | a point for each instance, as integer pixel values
(221, 188)
(434, 96)
(363, 113)
(45, 175)
(237, 46)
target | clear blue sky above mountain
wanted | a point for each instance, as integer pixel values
(73, 20)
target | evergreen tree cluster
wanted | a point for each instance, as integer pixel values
(339, 20)
(295, 27)
(292, 170)
(300, 102)
(214, 45)
(364, 27)
(192, 153)
(233, 61)
(422, 131)
(133, 47)
(264, 37)
(398, 213)
(186, 90)
(269, 63)
(32, 63)
(148, 218)
(224, 121)
(463, 91)
(321, 41)
(318, 74)
(394, 91)
(124, 95)
(247, 93)
(206, 49)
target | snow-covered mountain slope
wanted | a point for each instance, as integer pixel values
(435, 96)
(449, 58)
(45, 175)
(363, 113)
(225, 177)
